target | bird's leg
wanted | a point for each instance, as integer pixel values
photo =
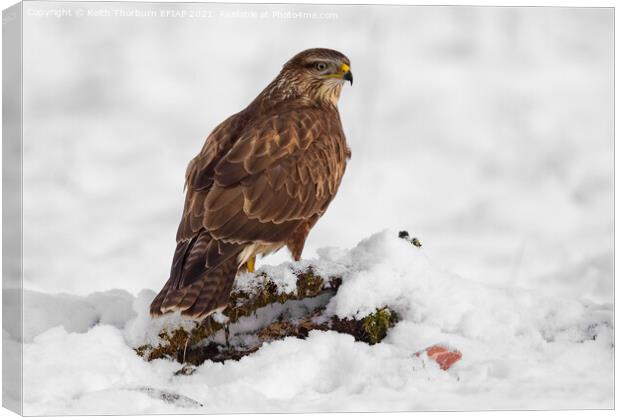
(250, 264)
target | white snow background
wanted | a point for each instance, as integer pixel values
(485, 132)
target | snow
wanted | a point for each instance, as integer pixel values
(74, 313)
(521, 349)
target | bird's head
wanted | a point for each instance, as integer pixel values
(317, 74)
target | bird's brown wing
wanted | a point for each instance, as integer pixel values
(193, 288)
(283, 171)
(258, 186)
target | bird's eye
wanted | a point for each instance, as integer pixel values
(321, 66)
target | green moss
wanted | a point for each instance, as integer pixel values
(376, 325)
(178, 343)
(243, 304)
(309, 284)
(192, 346)
(171, 345)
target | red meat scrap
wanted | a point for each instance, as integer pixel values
(442, 355)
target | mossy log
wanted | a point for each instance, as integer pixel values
(199, 344)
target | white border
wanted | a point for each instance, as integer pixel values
(503, 3)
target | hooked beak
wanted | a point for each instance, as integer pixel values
(343, 74)
(347, 75)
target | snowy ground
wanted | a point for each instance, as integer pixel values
(521, 349)
(485, 132)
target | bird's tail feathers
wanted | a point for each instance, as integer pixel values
(194, 289)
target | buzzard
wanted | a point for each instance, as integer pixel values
(261, 181)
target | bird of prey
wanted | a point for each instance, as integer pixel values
(261, 181)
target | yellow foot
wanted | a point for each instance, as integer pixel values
(251, 263)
